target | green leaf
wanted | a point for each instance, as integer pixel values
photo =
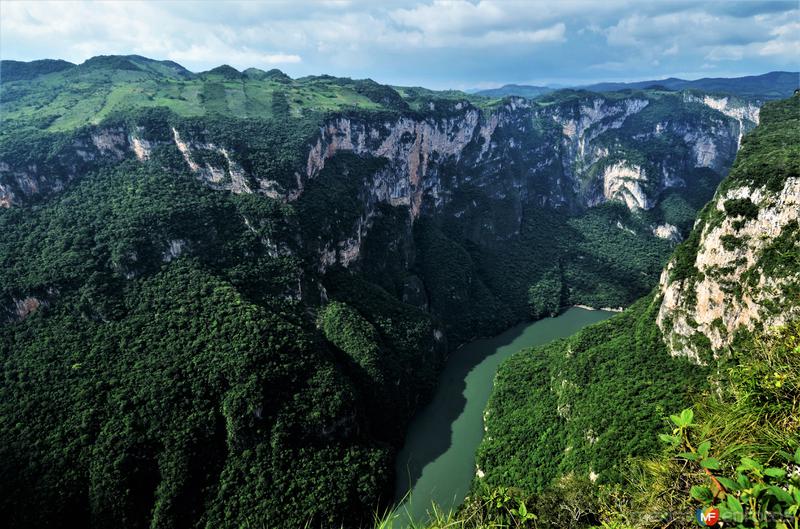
(669, 439)
(744, 483)
(677, 420)
(734, 504)
(750, 464)
(797, 456)
(704, 448)
(688, 456)
(687, 416)
(523, 511)
(728, 483)
(725, 513)
(710, 463)
(780, 494)
(775, 472)
(703, 494)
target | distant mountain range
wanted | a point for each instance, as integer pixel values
(772, 85)
(521, 90)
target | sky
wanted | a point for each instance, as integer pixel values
(439, 44)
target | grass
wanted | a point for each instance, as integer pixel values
(77, 100)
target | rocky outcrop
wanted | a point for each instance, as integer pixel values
(599, 139)
(667, 231)
(224, 175)
(626, 183)
(14, 309)
(591, 119)
(745, 113)
(25, 307)
(572, 154)
(413, 147)
(735, 287)
(174, 250)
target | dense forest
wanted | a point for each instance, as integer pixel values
(588, 431)
(178, 352)
(732, 450)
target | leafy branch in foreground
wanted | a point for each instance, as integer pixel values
(749, 495)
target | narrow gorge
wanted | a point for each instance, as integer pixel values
(226, 295)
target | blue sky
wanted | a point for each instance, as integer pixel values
(439, 44)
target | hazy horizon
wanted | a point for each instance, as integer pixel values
(440, 44)
(468, 89)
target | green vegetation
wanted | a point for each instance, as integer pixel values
(577, 404)
(174, 355)
(770, 154)
(50, 96)
(544, 296)
(741, 207)
(768, 157)
(579, 408)
(170, 376)
(735, 450)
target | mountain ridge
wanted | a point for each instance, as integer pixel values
(770, 85)
(756, 85)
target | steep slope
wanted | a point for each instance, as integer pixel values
(481, 174)
(221, 291)
(740, 271)
(581, 406)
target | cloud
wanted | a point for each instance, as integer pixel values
(79, 30)
(436, 43)
(460, 23)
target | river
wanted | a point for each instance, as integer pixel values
(437, 462)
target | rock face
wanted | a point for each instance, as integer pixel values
(733, 289)
(667, 231)
(414, 148)
(571, 154)
(626, 183)
(225, 175)
(745, 113)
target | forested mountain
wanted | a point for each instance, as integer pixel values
(520, 90)
(720, 332)
(772, 85)
(224, 294)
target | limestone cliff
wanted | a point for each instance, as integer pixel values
(740, 269)
(574, 152)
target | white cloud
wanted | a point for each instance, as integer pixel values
(433, 42)
(81, 30)
(465, 24)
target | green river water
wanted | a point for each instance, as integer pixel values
(437, 462)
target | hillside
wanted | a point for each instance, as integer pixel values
(220, 289)
(529, 91)
(568, 415)
(772, 85)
